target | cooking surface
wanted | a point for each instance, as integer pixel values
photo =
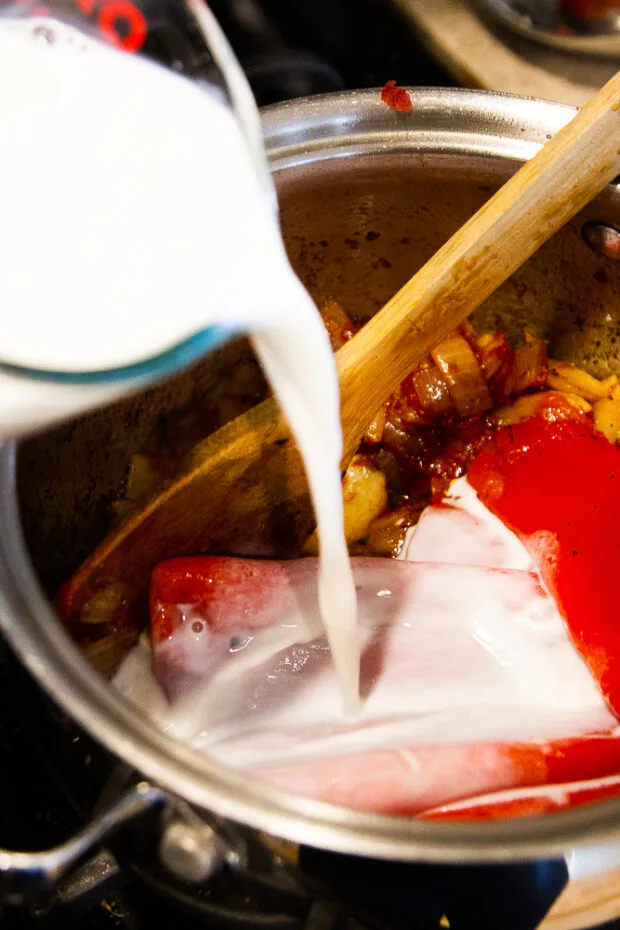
(51, 775)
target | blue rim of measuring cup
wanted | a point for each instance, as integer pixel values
(167, 362)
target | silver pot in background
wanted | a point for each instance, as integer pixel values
(366, 196)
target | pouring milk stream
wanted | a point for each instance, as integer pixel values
(132, 219)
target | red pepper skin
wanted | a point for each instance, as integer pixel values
(556, 483)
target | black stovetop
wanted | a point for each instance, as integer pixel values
(51, 774)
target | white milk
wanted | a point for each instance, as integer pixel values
(132, 218)
(469, 646)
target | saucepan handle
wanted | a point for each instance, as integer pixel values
(189, 848)
(25, 876)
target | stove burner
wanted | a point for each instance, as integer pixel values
(326, 892)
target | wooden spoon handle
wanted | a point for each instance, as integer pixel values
(537, 201)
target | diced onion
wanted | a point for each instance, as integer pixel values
(458, 364)
(104, 604)
(406, 414)
(607, 418)
(364, 497)
(340, 328)
(432, 389)
(374, 433)
(579, 403)
(387, 533)
(610, 383)
(530, 365)
(566, 377)
(522, 409)
(529, 404)
(495, 355)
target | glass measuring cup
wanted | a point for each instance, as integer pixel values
(186, 38)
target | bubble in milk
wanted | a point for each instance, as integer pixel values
(44, 34)
(238, 643)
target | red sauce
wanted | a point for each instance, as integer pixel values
(556, 483)
(396, 97)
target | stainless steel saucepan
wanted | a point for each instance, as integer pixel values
(366, 196)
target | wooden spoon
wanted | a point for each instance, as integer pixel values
(244, 490)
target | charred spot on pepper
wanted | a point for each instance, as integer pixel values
(353, 244)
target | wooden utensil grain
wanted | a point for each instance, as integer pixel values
(244, 490)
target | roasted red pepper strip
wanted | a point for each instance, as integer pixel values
(556, 483)
(528, 802)
(544, 776)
